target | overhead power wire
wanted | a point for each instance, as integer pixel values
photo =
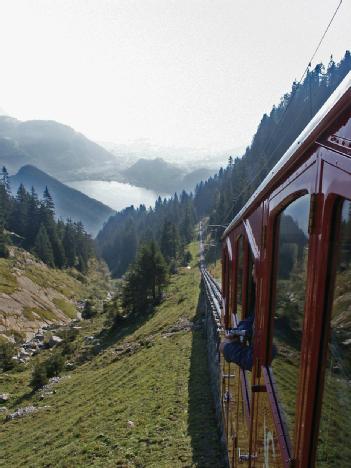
(268, 161)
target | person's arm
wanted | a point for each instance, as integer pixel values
(234, 351)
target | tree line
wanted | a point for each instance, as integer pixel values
(169, 224)
(31, 223)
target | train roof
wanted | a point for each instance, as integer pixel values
(328, 111)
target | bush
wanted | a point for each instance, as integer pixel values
(187, 258)
(54, 365)
(68, 347)
(88, 311)
(39, 376)
(7, 351)
(114, 316)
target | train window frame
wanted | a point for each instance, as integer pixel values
(239, 237)
(272, 389)
(333, 258)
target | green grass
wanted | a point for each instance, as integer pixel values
(66, 307)
(46, 314)
(162, 385)
(8, 282)
(29, 313)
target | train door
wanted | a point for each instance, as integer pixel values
(330, 419)
(277, 372)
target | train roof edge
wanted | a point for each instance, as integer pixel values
(314, 127)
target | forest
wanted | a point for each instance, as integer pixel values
(29, 222)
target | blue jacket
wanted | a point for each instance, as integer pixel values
(238, 352)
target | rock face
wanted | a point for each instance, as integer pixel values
(29, 297)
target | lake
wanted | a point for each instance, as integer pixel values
(117, 195)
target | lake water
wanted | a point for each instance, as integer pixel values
(116, 194)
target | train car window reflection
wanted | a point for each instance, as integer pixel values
(334, 448)
(291, 269)
(239, 277)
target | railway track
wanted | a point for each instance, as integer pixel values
(212, 288)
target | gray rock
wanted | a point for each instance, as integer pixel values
(4, 397)
(54, 340)
(54, 380)
(3, 409)
(21, 412)
(89, 338)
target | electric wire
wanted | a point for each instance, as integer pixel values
(274, 131)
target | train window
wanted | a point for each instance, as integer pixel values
(239, 277)
(292, 253)
(334, 448)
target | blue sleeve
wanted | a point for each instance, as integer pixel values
(247, 324)
(239, 354)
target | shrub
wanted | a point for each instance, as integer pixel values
(88, 311)
(39, 376)
(7, 351)
(187, 258)
(54, 365)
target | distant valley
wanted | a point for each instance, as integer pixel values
(69, 156)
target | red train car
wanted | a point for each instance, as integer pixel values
(294, 407)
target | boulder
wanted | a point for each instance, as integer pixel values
(54, 340)
(89, 338)
(21, 412)
(4, 397)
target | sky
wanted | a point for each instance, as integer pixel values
(177, 73)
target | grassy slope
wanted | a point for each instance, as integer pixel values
(161, 385)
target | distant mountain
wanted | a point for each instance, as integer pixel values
(185, 157)
(68, 155)
(54, 148)
(69, 203)
(161, 176)
(154, 174)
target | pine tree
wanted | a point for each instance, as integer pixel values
(4, 251)
(42, 247)
(19, 214)
(170, 241)
(145, 279)
(5, 196)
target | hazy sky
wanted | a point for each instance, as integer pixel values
(197, 73)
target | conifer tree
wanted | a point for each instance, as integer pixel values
(5, 196)
(42, 247)
(4, 251)
(145, 279)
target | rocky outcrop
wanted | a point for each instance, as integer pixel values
(29, 300)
